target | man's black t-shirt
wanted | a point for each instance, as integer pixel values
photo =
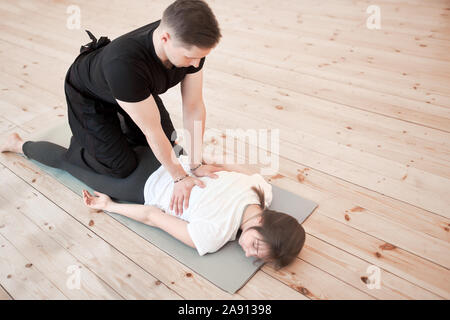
(128, 69)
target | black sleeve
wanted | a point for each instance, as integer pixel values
(200, 66)
(125, 81)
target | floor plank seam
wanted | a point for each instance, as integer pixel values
(40, 272)
(99, 237)
(368, 262)
(6, 291)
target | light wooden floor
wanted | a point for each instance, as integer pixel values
(364, 119)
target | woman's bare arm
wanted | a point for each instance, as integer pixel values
(148, 214)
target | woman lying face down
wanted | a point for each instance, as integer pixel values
(233, 202)
(271, 236)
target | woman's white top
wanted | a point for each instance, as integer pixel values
(215, 211)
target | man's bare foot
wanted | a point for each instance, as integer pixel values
(13, 143)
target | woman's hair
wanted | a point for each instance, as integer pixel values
(282, 233)
(193, 23)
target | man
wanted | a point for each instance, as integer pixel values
(112, 93)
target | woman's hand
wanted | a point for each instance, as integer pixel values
(207, 170)
(182, 192)
(100, 201)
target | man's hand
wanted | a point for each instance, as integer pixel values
(207, 170)
(182, 192)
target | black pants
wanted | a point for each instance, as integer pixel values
(129, 189)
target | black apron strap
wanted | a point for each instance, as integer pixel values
(94, 44)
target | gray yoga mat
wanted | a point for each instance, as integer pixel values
(228, 268)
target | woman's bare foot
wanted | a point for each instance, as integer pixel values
(13, 143)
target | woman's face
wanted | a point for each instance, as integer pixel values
(252, 244)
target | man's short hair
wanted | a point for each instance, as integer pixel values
(193, 23)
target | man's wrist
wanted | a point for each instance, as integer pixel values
(194, 167)
(181, 178)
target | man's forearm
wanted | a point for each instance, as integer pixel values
(163, 150)
(194, 123)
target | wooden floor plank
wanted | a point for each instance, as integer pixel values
(175, 275)
(104, 222)
(124, 276)
(310, 35)
(408, 266)
(355, 271)
(438, 252)
(430, 199)
(21, 278)
(5, 125)
(352, 19)
(387, 146)
(42, 251)
(315, 71)
(410, 91)
(370, 249)
(4, 295)
(304, 160)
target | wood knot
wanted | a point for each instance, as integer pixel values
(129, 275)
(303, 291)
(387, 246)
(347, 217)
(91, 223)
(28, 265)
(157, 282)
(300, 177)
(378, 255)
(277, 176)
(189, 275)
(365, 280)
(357, 209)
(279, 107)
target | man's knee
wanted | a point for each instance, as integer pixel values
(122, 169)
(119, 165)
